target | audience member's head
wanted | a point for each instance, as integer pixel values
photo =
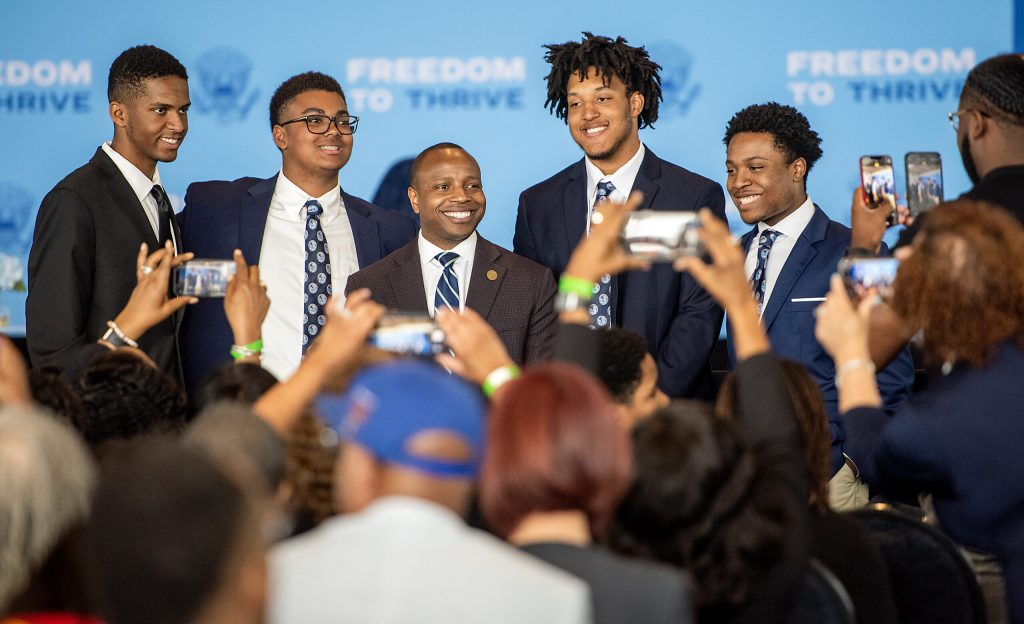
(964, 283)
(408, 428)
(48, 479)
(990, 119)
(630, 374)
(554, 443)
(124, 397)
(811, 417)
(243, 382)
(312, 455)
(695, 502)
(51, 390)
(174, 539)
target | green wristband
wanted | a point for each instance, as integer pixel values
(498, 378)
(247, 351)
(581, 287)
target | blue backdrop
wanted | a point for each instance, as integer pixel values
(872, 76)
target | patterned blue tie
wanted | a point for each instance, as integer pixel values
(447, 293)
(317, 283)
(759, 280)
(601, 304)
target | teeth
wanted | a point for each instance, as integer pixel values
(594, 130)
(748, 199)
(169, 140)
(458, 215)
(332, 148)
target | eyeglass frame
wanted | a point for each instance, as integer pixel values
(954, 117)
(352, 119)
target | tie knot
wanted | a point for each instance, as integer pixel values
(158, 192)
(604, 189)
(313, 208)
(768, 238)
(446, 258)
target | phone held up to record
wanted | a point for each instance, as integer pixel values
(879, 184)
(409, 334)
(862, 274)
(662, 236)
(924, 181)
(203, 278)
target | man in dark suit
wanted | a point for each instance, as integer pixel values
(793, 250)
(606, 91)
(91, 226)
(306, 234)
(450, 266)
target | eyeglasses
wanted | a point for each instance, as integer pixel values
(954, 118)
(320, 124)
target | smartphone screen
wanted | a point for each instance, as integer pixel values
(862, 274)
(203, 278)
(924, 181)
(411, 334)
(662, 235)
(879, 184)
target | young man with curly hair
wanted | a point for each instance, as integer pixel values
(606, 91)
(791, 253)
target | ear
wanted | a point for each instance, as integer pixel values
(799, 169)
(118, 114)
(636, 104)
(979, 126)
(414, 199)
(280, 137)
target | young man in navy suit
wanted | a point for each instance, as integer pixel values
(303, 230)
(606, 91)
(793, 251)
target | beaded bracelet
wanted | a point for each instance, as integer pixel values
(119, 338)
(850, 366)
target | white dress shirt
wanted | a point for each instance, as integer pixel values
(282, 267)
(623, 179)
(789, 230)
(143, 188)
(432, 269)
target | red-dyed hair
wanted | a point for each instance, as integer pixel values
(553, 444)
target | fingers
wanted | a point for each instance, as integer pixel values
(179, 302)
(609, 218)
(453, 364)
(717, 239)
(355, 298)
(241, 268)
(837, 295)
(140, 261)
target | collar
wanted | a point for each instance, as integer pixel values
(429, 250)
(793, 225)
(622, 178)
(139, 181)
(294, 199)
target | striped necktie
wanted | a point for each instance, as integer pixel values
(447, 292)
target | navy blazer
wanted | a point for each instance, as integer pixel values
(222, 216)
(789, 320)
(678, 319)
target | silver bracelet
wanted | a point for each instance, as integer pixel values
(118, 339)
(850, 366)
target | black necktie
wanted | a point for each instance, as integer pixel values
(164, 216)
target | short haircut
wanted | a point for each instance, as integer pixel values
(124, 397)
(621, 353)
(632, 65)
(241, 442)
(133, 67)
(297, 85)
(553, 443)
(244, 382)
(48, 479)
(790, 130)
(999, 81)
(417, 162)
(165, 525)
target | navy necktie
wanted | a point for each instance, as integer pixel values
(317, 284)
(601, 304)
(759, 280)
(446, 295)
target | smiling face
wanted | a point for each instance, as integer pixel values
(448, 195)
(762, 184)
(149, 127)
(307, 158)
(603, 119)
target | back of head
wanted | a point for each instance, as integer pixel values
(694, 504)
(553, 443)
(124, 397)
(964, 282)
(51, 390)
(621, 353)
(297, 85)
(133, 67)
(166, 528)
(998, 84)
(48, 479)
(234, 382)
(610, 57)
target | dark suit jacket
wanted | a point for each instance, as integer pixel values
(790, 324)
(81, 269)
(220, 217)
(677, 318)
(518, 304)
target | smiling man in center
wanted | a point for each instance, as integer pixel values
(450, 265)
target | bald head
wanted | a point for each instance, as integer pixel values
(424, 156)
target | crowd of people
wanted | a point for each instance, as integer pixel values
(568, 456)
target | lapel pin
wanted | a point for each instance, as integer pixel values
(492, 275)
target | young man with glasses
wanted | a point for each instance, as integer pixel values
(303, 230)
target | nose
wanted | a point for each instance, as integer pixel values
(177, 121)
(589, 110)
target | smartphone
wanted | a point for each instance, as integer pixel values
(924, 181)
(879, 184)
(409, 334)
(662, 236)
(203, 278)
(862, 274)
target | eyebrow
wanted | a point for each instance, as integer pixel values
(166, 105)
(321, 111)
(729, 161)
(601, 88)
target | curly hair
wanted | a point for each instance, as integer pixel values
(50, 389)
(297, 85)
(632, 65)
(243, 382)
(133, 67)
(790, 130)
(621, 353)
(696, 502)
(999, 82)
(964, 283)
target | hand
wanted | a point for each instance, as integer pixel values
(602, 253)
(478, 350)
(246, 302)
(14, 388)
(148, 303)
(869, 222)
(346, 331)
(842, 329)
(725, 278)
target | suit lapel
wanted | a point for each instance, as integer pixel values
(405, 275)
(482, 289)
(124, 197)
(803, 252)
(364, 231)
(574, 203)
(252, 218)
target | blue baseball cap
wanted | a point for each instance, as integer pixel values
(387, 405)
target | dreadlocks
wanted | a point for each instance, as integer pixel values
(1000, 82)
(609, 58)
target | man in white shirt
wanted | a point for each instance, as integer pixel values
(412, 441)
(91, 226)
(303, 230)
(450, 265)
